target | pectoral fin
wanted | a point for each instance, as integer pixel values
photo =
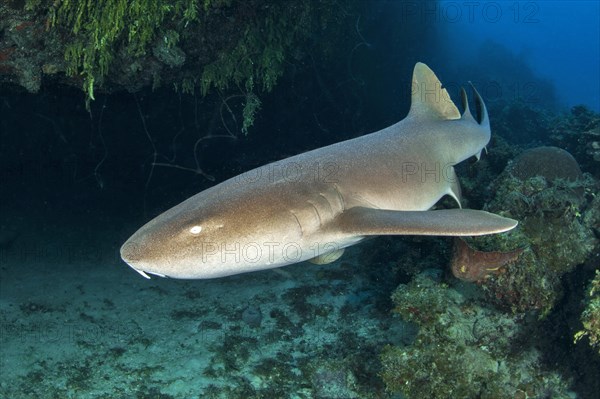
(361, 221)
(328, 257)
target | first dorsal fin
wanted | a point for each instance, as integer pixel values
(429, 100)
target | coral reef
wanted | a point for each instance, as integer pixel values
(550, 162)
(521, 122)
(463, 349)
(558, 226)
(590, 318)
(27, 50)
(579, 133)
(234, 46)
(467, 348)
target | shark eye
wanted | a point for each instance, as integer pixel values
(196, 230)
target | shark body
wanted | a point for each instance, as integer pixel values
(313, 205)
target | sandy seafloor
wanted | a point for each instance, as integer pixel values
(77, 322)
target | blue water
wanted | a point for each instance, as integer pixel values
(559, 40)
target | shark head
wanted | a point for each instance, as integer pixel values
(207, 236)
(167, 246)
(152, 244)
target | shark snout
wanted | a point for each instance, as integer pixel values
(132, 253)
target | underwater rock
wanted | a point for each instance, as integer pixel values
(171, 43)
(520, 122)
(167, 52)
(591, 217)
(461, 349)
(590, 318)
(550, 162)
(558, 229)
(579, 133)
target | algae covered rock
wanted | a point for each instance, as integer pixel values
(590, 318)
(464, 349)
(550, 162)
(558, 228)
(579, 133)
(239, 47)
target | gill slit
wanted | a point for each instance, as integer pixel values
(316, 212)
(340, 196)
(298, 221)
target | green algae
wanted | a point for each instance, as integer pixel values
(590, 318)
(234, 46)
(98, 26)
(463, 349)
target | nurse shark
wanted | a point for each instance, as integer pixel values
(313, 205)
